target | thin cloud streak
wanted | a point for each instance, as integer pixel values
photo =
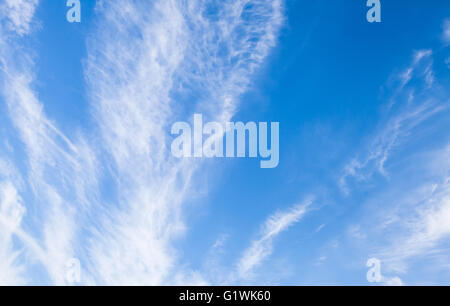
(426, 224)
(408, 108)
(415, 222)
(59, 171)
(262, 248)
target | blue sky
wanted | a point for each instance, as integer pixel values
(86, 171)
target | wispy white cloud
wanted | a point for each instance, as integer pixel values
(262, 247)
(17, 15)
(397, 127)
(320, 227)
(59, 171)
(409, 216)
(419, 55)
(424, 227)
(141, 56)
(11, 213)
(412, 217)
(12, 208)
(414, 105)
(139, 51)
(392, 281)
